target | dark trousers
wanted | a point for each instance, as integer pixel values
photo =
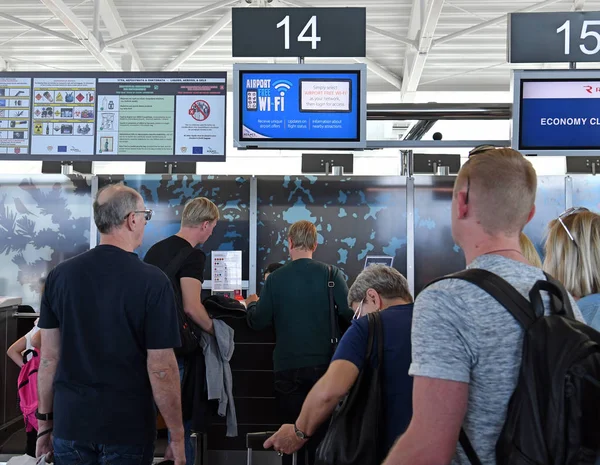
(84, 453)
(291, 389)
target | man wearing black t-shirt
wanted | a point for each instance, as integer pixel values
(109, 325)
(198, 220)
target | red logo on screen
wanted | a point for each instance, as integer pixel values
(588, 89)
(592, 89)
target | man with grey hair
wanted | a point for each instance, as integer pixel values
(377, 288)
(109, 325)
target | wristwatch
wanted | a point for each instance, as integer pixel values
(300, 434)
(44, 416)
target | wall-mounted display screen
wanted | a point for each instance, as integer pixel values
(299, 106)
(557, 112)
(113, 116)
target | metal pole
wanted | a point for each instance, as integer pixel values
(568, 192)
(410, 234)
(93, 228)
(300, 60)
(253, 235)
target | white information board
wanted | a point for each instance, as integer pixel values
(226, 271)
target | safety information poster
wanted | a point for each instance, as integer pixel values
(105, 116)
(161, 116)
(15, 94)
(63, 115)
(300, 106)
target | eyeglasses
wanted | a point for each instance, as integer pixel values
(358, 312)
(475, 151)
(569, 212)
(147, 213)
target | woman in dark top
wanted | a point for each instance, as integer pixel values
(377, 288)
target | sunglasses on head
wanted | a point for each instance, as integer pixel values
(569, 212)
(477, 150)
(147, 213)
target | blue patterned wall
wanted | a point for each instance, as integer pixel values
(44, 220)
(586, 192)
(435, 252)
(354, 217)
(167, 194)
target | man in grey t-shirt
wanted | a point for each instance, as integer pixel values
(466, 346)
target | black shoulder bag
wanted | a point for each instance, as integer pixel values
(333, 320)
(189, 341)
(354, 434)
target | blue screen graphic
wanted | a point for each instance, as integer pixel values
(560, 123)
(300, 106)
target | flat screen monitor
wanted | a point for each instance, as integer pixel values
(111, 116)
(378, 260)
(557, 112)
(299, 106)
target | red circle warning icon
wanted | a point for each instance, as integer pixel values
(200, 110)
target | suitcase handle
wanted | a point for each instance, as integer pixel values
(256, 440)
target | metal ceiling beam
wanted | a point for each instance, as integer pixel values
(371, 64)
(578, 5)
(37, 27)
(198, 43)
(80, 30)
(415, 59)
(116, 28)
(381, 71)
(170, 22)
(373, 29)
(3, 64)
(491, 22)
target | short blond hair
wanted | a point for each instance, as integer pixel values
(303, 235)
(502, 188)
(197, 211)
(529, 251)
(577, 266)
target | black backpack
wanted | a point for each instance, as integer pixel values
(189, 340)
(553, 416)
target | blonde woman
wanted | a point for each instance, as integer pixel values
(529, 251)
(573, 257)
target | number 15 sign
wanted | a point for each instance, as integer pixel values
(299, 32)
(554, 37)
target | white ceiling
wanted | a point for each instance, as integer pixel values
(474, 61)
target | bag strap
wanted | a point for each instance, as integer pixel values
(559, 297)
(468, 448)
(511, 299)
(27, 353)
(372, 323)
(332, 312)
(176, 262)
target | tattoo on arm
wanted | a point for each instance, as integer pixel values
(162, 374)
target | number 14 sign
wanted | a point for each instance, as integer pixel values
(554, 37)
(299, 32)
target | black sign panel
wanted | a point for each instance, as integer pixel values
(299, 32)
(554, 37)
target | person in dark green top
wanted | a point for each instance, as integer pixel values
(295, 300)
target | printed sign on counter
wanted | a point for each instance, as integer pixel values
(226, 274)
(63, 115)
(14, 115)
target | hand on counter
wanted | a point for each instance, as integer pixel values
(251, 299)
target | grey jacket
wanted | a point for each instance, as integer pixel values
(218, 350)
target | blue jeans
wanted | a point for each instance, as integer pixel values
(187, 426)
(87, 453)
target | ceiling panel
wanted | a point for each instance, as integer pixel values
(475, 61)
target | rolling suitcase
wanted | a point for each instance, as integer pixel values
(256, 440)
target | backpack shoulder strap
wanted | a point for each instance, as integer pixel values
(332, 312)
(176, 262)
(499, 289)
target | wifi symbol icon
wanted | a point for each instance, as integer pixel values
(282, 86)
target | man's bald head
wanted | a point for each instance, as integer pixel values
(112, 205)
